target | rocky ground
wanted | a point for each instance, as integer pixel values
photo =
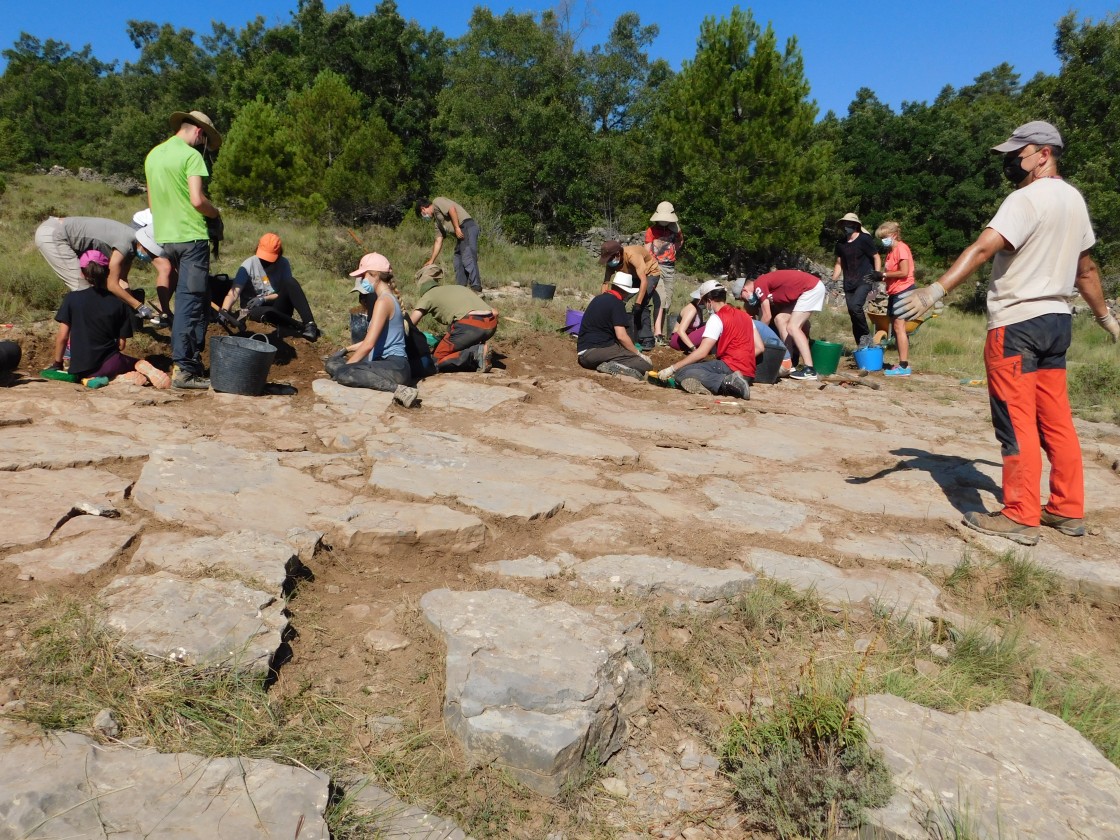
(517, 577)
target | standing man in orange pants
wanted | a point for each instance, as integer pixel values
(1040, 239)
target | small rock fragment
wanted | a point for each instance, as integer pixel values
(385, 641)
(939, 652)
(105, 722)
(616, 787)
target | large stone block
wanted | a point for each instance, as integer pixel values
(35, 501)
(83, 544)
(537, 688)
(640, 574)
(263, 559)
(56, 448)
(377, 524)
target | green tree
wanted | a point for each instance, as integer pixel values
(515, 130)
(259, 167)
(369, 181)
(741, 127)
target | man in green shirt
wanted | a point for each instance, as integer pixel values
(180, 209)
(450, 215)
(471, 322)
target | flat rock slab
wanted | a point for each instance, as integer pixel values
(351, 402)
(35, 501)
(598, 534)
(431, 465)
(907, 594)
(263, 559)
(217, 488)
(378, 524)
(642, 575)
(556, 439)
(449, 392)
(389, 817)
(532, 567)
(634, 414)
(1009, 771)
(918, 550)
(55, 448)
(537, 688)
(67, 785)
(746, 510)
(197, 622)
(82, 545)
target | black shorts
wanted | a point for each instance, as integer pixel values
(892, 302)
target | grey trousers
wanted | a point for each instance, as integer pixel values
(591, 359)
(466, 256)
(711, 374)
(382, 375)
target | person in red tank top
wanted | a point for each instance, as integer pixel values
(730, 334)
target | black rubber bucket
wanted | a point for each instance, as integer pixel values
(770, 366)
(10, 356)
(240, 365)
(543, 291)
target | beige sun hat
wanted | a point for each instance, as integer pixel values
(852, 217)
(665, 213)
(202, 121)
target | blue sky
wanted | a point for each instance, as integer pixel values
(902, 51)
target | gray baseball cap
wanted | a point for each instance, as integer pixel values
(1035, 133)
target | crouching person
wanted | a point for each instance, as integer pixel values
(380, 360)
(730, 334)
(276, 292)
(471, 322)
(604, 342)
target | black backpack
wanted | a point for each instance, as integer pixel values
(419, 354)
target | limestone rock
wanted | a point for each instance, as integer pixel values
(450, 392)
(746, 510)
(217, 488)
(254, 557)
(557, 439)
(35, 500)
(598, 534)
(67, 785)
(920, 550)
(377, 524)
(106, 723)
(351, 402)
(82, 545)
(198, 622)
(642, 575)
(536, 568)
(56, 448)
(536, 688)
(428, 465)
(1010, 770)
(392, 818)
(385, 641)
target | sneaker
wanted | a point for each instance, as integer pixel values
(897, 370)
(405, 395)
(694, 386)
(805, 373)
(736, 385)
(186, 381)
(786, 369)
(618, 369)
(310, 331)
(157, 377)
(1063, 524)
(484, 360)
(999, 525)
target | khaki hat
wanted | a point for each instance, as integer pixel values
(269, 247)
(709, 286)
(1035, 133)
(426, 287)
(214, 139)
(852, 217)
(665, 213)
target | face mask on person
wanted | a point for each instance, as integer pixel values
(142, 255)
(1013, 169)
(754, 298)
(888, 241)
(614, 262)
(365, 286)
(850, 229)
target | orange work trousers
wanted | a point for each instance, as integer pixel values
(1026, 365)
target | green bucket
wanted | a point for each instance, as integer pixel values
(826, 356)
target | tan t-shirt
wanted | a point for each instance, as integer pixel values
(1047, 224)
(441, 213)
(634, 256)
(450, 303)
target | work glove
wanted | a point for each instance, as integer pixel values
(227, 320)
(914, 303)
(1109, 325)
(145, 312)
(665, 374)
(646, 359)
(259, 300)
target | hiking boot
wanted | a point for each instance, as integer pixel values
(484, 359)
(897, 370)
(999, 525)
(619, 369)
(1063, 524)
(736, 385)
(694, 386)
(805, 373)
(405, 395)
(184, 380)
(310, 331)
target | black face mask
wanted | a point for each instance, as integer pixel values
(1013, 169)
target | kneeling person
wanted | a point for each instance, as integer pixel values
(731, 335)
(604, 342)
(277, 294)
(471, 322)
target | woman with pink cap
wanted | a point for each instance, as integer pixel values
(380, 360)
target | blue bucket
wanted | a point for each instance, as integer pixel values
(869, 358)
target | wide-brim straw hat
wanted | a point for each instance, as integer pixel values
(202, 121)
(665, 212)
(852, 217)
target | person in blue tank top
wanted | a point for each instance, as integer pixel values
(380, 360)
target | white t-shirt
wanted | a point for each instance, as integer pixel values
(1047, 223)
(253, 271)
(713, 329)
